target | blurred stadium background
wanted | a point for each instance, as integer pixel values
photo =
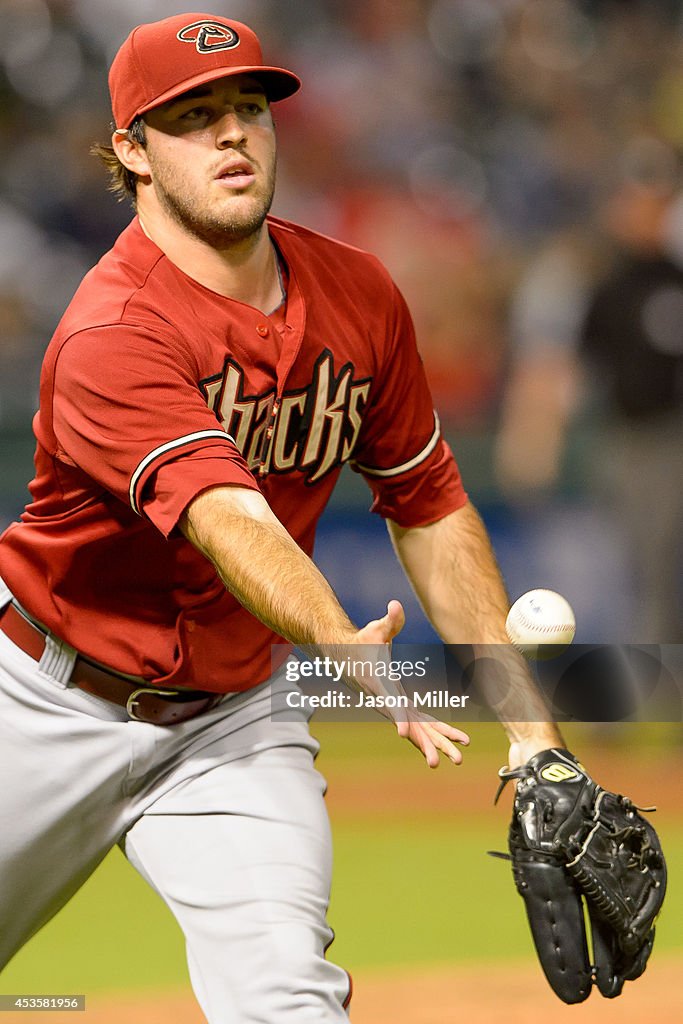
(503, 157)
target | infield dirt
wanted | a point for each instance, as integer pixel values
(479, 995)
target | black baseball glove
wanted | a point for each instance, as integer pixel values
(571, 841)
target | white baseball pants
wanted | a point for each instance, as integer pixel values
(223, 815)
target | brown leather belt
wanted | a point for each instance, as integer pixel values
(143, 703)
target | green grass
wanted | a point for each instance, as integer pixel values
(403, 894)
(362, 749)
(114, 934)
(405, 891)
(408, 894)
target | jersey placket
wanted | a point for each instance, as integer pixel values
(292, 340)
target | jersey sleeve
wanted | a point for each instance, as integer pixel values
(401, 452)
(125, 407)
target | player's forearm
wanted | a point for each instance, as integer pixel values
(264, 567)
(453, 570)
(451, 565)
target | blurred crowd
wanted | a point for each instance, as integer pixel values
(503, 157)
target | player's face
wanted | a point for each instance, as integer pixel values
(211, 154)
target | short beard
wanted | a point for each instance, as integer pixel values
(221, 232)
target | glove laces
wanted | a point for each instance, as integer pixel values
(507, 774)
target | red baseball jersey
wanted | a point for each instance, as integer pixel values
(155, 388)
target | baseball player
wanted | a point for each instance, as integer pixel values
(206, 384)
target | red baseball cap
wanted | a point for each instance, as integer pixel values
(165, 58)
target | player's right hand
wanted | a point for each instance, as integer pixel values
(431, 737)
(383, 631)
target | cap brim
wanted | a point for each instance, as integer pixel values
(277, 82)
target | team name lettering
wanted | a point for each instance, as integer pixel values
(312, 430)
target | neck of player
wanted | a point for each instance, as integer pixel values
(246, 270)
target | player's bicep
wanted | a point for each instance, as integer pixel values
(125, 406)
(401, 452)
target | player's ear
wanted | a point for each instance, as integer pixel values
(131, 153)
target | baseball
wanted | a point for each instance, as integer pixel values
(540, 624)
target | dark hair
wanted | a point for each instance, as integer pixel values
(122, 182)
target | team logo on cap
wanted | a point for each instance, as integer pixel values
(208, 36)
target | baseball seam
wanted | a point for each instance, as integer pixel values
(522, 620)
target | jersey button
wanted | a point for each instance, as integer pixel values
(262, 329)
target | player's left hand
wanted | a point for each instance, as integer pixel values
(431, 737)
(572, 843)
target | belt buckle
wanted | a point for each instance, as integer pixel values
(133, 699)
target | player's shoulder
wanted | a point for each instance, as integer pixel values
(126, 288)
(318, 246)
